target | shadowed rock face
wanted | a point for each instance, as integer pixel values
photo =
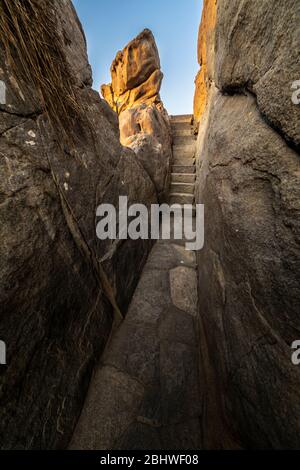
(57, 299)
(134, 95)
(248, 179)
(268, 33)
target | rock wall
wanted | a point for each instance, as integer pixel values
(206, 44)
(134, 95)
(248, 179)
(60, 286)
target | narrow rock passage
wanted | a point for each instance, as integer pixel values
(145, 393)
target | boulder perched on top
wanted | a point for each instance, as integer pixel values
(134, 95)
(135, 73)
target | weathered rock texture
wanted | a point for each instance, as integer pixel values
(206, 44)
(248, 179)
(57, 294)
(136, 75)
(268, 35)
(134, 95)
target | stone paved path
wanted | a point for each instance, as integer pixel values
(145, 393)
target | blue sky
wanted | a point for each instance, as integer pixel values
(110, 24)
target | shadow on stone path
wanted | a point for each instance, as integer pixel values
(145, 393)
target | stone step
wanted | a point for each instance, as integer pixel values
(181, 118)
(184, 161)
(183, 151)
(184, 188)
(181, 198)
(183, 140)
(182, 132)
(176, 126)
(187, 145)
(184, 169)
(183, 177)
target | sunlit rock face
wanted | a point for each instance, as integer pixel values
(60, 286)
(134, 95)
(248, 179)
(136, 75)
(206, 44)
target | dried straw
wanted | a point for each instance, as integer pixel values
(28, 33)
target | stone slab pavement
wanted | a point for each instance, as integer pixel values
(145, 393)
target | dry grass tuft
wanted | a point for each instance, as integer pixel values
(28, 33)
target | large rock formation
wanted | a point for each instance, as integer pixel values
(134, 95)
(60, 286)
(136, 75)
(248, 179)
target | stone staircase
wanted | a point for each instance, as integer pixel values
(145, 392)
(183, 173)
